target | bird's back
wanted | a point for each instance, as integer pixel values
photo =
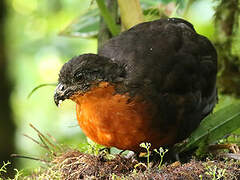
(170, 65)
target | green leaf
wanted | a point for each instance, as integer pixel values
(112, 26)
(154, 13)
(214, 127)
(154, 3)
(160, 10)
(149, 3)
(40, 86)
(85, 26)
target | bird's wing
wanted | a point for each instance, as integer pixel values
(167, 59)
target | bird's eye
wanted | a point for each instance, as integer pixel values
(79, 77)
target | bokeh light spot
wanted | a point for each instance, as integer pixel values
(49, 64)
(24, 7)
(37, 28)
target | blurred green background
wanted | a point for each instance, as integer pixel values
(35, 52)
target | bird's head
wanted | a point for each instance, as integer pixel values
(81, 73)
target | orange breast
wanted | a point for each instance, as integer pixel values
(109, 119)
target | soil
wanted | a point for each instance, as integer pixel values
(74, 165)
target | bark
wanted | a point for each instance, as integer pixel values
(227, 30)
(7, 128)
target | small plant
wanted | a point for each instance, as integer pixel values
(139, 164)
(115, 177)
(17, 175)
(161, 153)
(3, 169)
(95, 148)
(214, 172)
(147, 147)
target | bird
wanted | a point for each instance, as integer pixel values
(152, 83)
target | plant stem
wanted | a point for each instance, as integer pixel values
(114, 29)
(160, 164)
(130, 12)
(39, 86)
(186, 10)
(148, 157)
(104, 34)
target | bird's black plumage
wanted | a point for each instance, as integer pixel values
(168, 62)
(165, 62)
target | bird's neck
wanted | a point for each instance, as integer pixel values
(103, 89)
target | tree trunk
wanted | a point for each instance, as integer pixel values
(7, 128)
(227, 30)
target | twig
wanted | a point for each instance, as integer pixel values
(39, 86)
(41, 136)
(28, 157)
(37, 142)
(53, 138)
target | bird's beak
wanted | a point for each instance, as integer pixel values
(60, 94)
